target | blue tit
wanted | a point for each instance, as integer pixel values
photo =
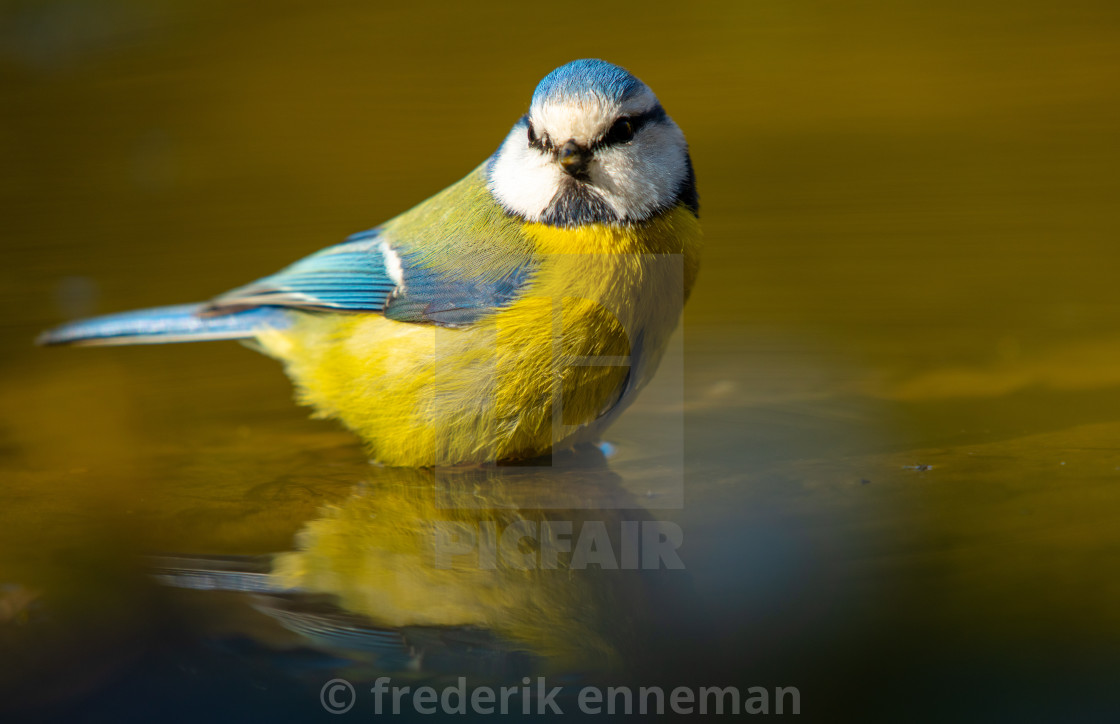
(516, 312)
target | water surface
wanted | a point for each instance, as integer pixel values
(898, 397)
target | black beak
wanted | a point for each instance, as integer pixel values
(574, 158)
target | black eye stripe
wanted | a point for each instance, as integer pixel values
(621, 131)
(541, 143)
(657, 113)
(545, 144)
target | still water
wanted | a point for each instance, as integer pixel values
(887, 437)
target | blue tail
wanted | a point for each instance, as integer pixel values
(181, 323)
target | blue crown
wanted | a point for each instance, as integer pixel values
(587, 79)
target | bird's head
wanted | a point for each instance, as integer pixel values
(595, 147)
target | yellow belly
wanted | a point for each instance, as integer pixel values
(534, 376)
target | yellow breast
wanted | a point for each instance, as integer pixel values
(539, 373)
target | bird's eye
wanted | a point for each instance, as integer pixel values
(541, 143)
(621, 132)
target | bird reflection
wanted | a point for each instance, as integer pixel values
(496, 571)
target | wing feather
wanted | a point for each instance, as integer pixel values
(449, 261)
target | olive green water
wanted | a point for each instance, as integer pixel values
(901, 366)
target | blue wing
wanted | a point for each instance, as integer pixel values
(449, 261)
(355, 276)
(433, 265)
(427, 296)
(349, 277)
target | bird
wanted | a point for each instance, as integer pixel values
(516, 313)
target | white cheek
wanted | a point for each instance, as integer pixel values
(645, 176)
(523, 179)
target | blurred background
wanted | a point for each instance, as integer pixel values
(901, 362)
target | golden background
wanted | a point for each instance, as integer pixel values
(912, 220)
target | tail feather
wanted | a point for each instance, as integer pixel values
(182, 323)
